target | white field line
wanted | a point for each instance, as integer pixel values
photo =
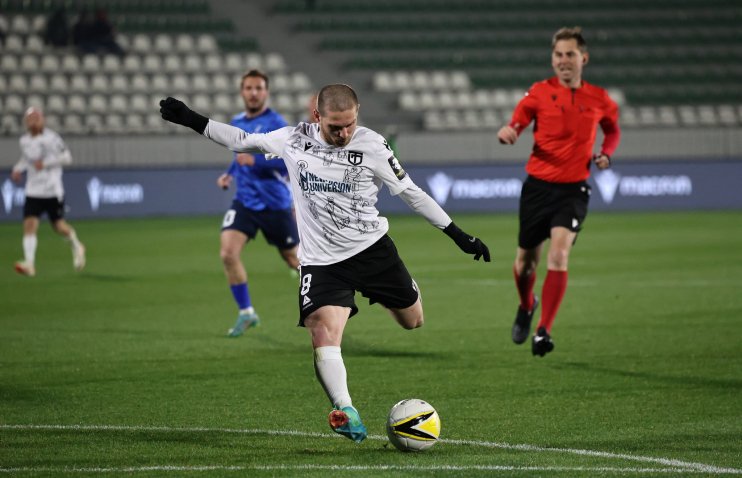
(675, 465)
(408, 468)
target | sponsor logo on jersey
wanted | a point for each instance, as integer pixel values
(355, 157)
(311, 183)
(308, 145)
(397, 168)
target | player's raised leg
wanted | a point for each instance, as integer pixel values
(326, 326)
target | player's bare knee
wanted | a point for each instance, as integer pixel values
(558, 260)
(229, 256)
(417, 323)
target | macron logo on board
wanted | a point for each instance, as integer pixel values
(12, 196)
(100, 193)
(609, 183)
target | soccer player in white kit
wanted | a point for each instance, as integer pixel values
(43, 153)
(337, 169)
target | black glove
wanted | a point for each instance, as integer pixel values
(467, 243)
(177, 112)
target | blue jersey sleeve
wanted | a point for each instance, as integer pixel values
(270, 165)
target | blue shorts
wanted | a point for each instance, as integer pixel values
(279, 227)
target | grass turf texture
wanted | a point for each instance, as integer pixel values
(647, 360)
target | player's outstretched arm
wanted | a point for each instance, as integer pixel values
(421, 203)
(467, 243)
(228, 136)
(177, 112)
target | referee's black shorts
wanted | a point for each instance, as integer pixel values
(544, 205)
(378, 273)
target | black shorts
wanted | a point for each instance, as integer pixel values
(36, 207)
(278, 226)
(544, 205)
(377, 273)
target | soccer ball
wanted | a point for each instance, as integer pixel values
(413, 425)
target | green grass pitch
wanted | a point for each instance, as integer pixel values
(125, 370)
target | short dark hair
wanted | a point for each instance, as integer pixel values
(567, 33)
(255, 74)
(337, 97)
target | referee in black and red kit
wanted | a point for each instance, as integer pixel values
(566, 112)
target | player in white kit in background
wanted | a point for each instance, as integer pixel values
(337, 169)
(43, 153)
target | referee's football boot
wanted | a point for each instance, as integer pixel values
(522, 324)
(347, 422)
(541, 343)
(245, 321)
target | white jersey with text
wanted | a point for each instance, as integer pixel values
(335, 189)
(52, 151)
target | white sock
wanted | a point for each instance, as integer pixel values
(72, 237)
(29, 248)
(330, 369)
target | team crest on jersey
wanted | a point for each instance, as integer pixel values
(355, 157)
(397, 168)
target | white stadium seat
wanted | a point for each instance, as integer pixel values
(34, 44)
(9, 63)
(49, 64)
(151, 64)
(172, 63)
(119, 83)
(213, 63)
(132, 63)
(70, 63)
(77, 104)
(111, 64)
(141, 43)
(185, 43)
(20, 25)
(134, 124)
(206, 44)
(139, 83)
(79, 83)
(17, 83)
(14, 44)
(139, 103)
(192, 64)
(37, 83)
(253, 61)
(97, 103)
(118, 103)
(94, 123)
(163, 44)
(274, 62)
(99, 83)
(222, 83)
(29, 63)
(91, 64)
(72, 123)
(36, 101)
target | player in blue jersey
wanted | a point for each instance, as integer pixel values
(262, 202)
